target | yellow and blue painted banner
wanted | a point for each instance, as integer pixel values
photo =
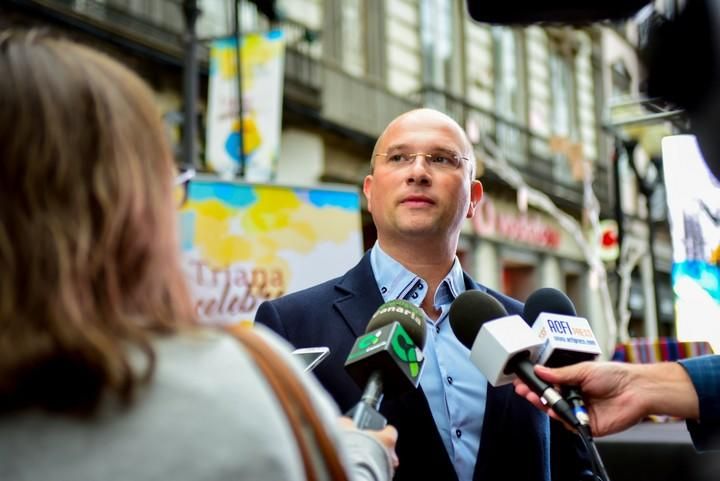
(262, 90)
(244, 243)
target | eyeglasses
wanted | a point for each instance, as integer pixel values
(181, 182)
(442, 160)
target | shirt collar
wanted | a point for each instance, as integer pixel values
(396, 282)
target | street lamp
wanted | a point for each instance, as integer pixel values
(636, 127)
(191, 13)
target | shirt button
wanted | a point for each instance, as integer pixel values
(414, 295)
(420, 286)
(437, 329)
(458, 433)
(383, 290)
(449, 379)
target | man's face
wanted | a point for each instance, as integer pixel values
(421, 198)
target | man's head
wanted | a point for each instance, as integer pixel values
(422, 185)
(467, 151)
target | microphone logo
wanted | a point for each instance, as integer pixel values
(369, 339)
(390, 346)
(543, 333)
(406, 350)
(370, 342)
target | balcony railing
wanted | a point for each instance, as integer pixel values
(523, 149)
(354, 103)
(155, 26)
(359, 103)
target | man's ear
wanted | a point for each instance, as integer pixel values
(367, 190)
(476, 194)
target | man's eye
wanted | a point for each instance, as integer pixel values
(442, 159)
(397, 158)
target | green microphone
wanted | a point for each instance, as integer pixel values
(387, 359)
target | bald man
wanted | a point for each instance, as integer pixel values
(420, 189)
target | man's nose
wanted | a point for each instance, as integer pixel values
(419, 170)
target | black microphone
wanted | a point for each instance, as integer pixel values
(568, 338)
(502, 346)
(387, 359)
(527, 12)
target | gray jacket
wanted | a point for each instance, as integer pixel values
(207, 415)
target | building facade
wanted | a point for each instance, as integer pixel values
(639, 204)
(534, 96)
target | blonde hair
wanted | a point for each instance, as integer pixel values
(89, 266)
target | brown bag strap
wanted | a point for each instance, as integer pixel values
(296, 403)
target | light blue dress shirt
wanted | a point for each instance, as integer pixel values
(455, 389)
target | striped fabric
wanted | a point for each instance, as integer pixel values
(641, 350)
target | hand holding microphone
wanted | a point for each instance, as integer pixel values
(619, 395)
(387, 437)
(506, 346)
(568, 339)
(503, 347)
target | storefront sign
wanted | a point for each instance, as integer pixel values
(514, 226)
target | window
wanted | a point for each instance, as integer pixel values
(353, 37)
(509, 98)
(621, 80)
(563, 108)
(518, 280)
(440, 42)
(576, 284)
(436, 40)
(561, 88)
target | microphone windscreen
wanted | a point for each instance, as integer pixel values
(470, 311)
(410, 317)
(573, 12)
(549, 300)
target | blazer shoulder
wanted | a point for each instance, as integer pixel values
(310, 295)
(511, 305)
(351, 282)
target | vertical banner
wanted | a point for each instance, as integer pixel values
(693, 197)
(245, 243)
(262, 90)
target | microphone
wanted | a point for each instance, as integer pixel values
(568, 339)
(387, 359)
(502, 346)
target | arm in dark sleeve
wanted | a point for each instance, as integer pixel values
(704, 372)
(269, 316)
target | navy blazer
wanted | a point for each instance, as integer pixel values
(515, 441)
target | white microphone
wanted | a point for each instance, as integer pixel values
(567, 339)
(503, 346)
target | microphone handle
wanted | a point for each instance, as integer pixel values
(365, 414)
(373, 393)
(573, 395)
(523, 368)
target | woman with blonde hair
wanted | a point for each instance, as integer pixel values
(103, 373)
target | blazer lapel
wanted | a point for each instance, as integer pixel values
(360, 296)
(496, 406)
(494, 419)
